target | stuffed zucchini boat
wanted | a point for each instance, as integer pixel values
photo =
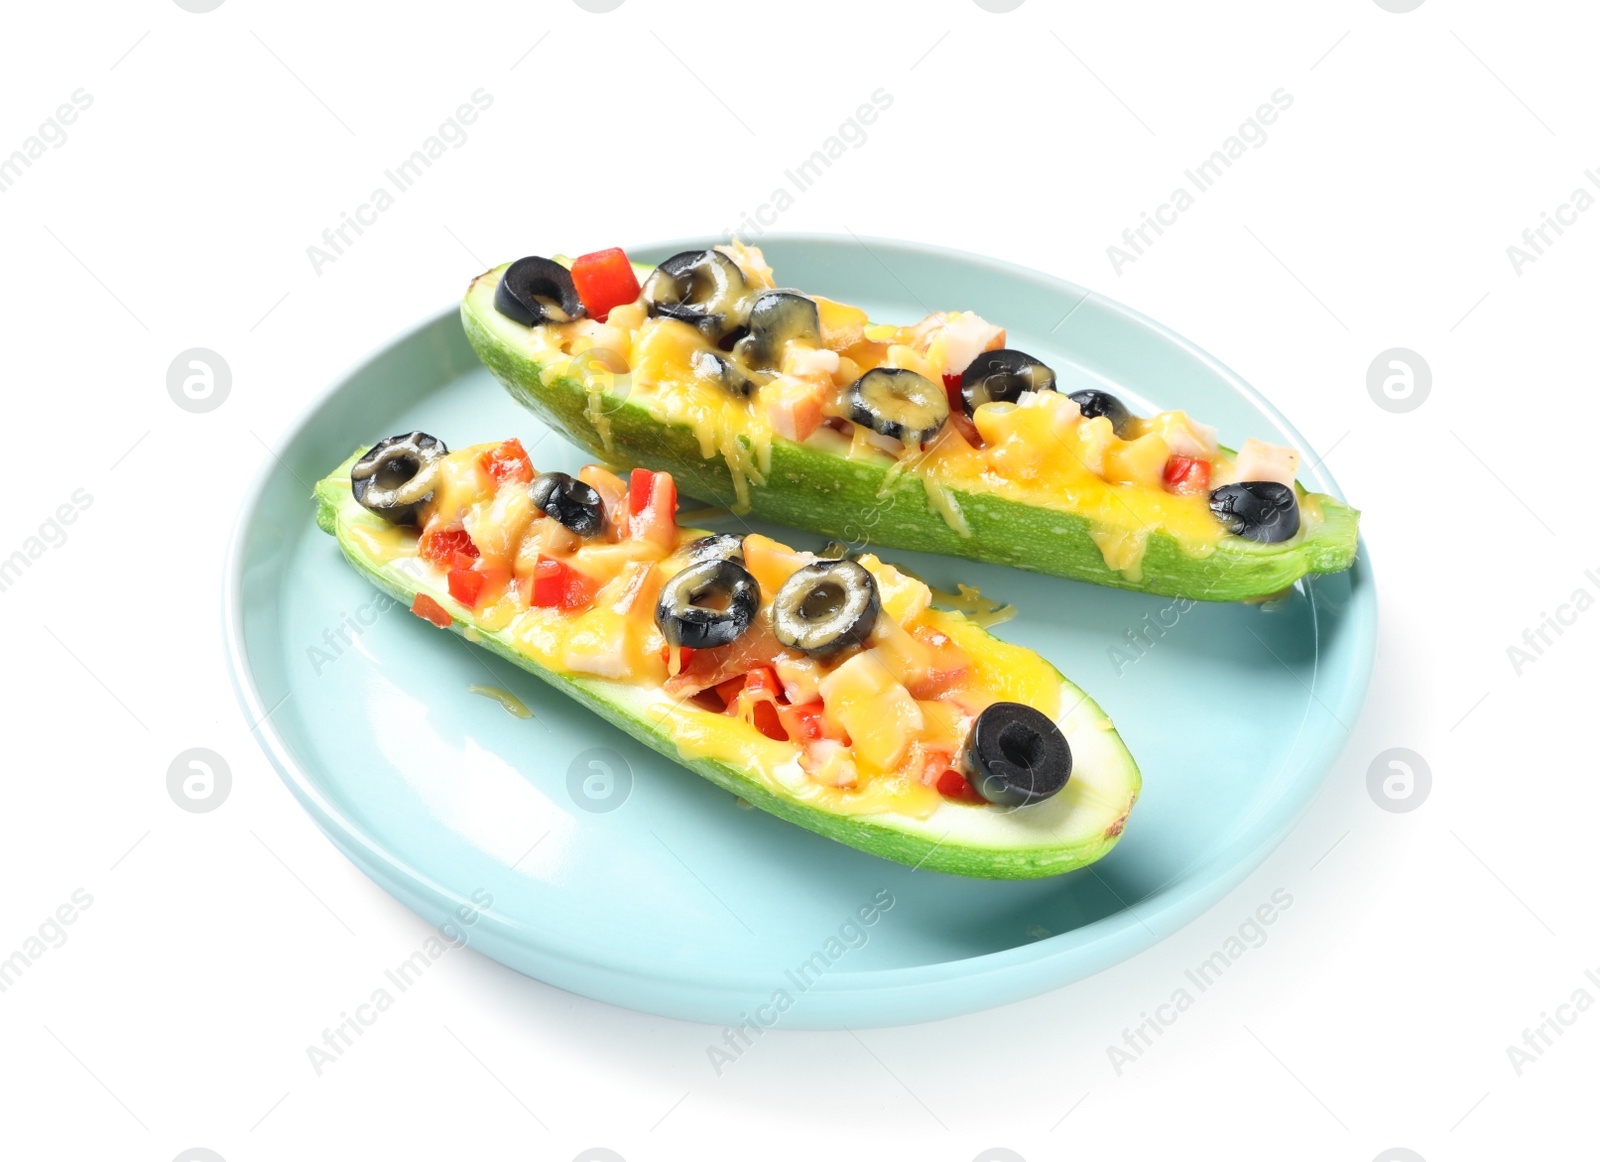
(825, 690)
(935, 437)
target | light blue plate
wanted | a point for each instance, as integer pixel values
(681, 902)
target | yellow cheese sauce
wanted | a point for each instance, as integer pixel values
(1040, 452)
(873, 745)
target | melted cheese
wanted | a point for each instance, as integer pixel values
(1040, 452)
(895, 741)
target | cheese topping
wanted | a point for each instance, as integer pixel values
(869, 730)
(1040, 451)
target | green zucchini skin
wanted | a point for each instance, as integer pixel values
(1071, 830)
(828, 494)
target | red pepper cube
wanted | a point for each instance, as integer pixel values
(1186, 475)
(466, 586)
(430, 610)
(507, 462)
(443, 548)
(954, 785)
(604, 279)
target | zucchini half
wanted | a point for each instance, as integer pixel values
(1071, 829)
(815, 490)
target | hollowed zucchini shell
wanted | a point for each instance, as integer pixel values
(815, 490)
(1074, 828)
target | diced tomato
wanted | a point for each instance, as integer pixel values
(958, 412)
(652, 507)
(466, 585)
(555, 583)
(460, 560)
(428, 609)
(953, 785)
(507, 462)
(442, 548)
(604, 279)
(1186, 475)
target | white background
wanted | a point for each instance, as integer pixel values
(1377, 214)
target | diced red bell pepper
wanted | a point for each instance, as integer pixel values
(555, 583)
(604, 279)
(508, 462)
(428, 609)
(958, 412)
(730, 690)
(758, 693)
(764, 717)
(639, 482)
(443, 548)
(466, 586)
(652, 507)
(954, 785)
(1186, 475)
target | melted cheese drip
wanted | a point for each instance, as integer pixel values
(674, 391)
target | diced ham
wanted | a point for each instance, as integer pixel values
(711, 667)
(810, 362)
(794, 406)
(1262, 461)
(1184, 437)
(957, 340)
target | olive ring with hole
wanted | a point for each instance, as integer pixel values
(898, 403)
(826, 607)
(709, 604)
(538, 290)
(396, 477)
(703, 288)
(1016, 755)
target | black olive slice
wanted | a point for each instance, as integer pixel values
(708, 604)
(1001, 377)
(704, 288)
(571, 502)
(826, 607)
(724, 371)
(716, 547)
(778, 317)
(1257, 510)
(1093, 403)
(899, 403)
(1015, 755)
(536, 290)
(396, 477)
